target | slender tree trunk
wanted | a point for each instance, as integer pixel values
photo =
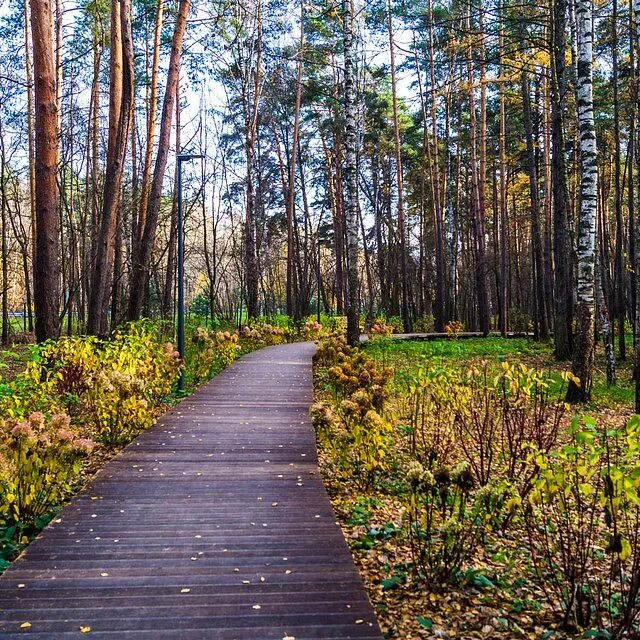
(31, 149)
(541, 328)
(141, 262)
(151, 128)
(120, 109)
(46, 272)
(563, 334)
(585, 322)
(504, 194)
(619, 310)
(478, 204)
(351, 175)
(252, 275)
(402, 232)
(293, 292)
(170, 275)
(439, 312)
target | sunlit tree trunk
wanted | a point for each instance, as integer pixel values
(140, 219)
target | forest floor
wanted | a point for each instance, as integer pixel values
(493, 596)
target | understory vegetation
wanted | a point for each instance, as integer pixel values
(476, 503)
(79, 399)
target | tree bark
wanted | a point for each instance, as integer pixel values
(46, 272)
(585, 308)
(120, 110)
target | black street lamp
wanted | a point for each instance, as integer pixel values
(182, 157)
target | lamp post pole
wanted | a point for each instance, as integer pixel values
(180, 159)
(318, 282)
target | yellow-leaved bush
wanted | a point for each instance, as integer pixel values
(354, 427)
(213, 352)
(109, 387)
(39, 464)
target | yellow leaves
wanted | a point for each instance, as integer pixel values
(25, 625)
(85, 629)
(568, 376)
(625, 553)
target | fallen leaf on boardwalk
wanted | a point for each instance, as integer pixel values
(25, 625)
(185, 590)
(85, 629)
(256, 606)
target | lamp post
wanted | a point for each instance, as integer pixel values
(318, 279)
(182, 157)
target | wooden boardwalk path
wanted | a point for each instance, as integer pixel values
(214, 524)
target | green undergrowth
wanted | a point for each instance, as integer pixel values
(476, 501)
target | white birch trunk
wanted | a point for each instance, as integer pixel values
(350, 174)
(586, 249)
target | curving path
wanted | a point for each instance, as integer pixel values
(214, 524)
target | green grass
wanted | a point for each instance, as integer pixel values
(405, 357)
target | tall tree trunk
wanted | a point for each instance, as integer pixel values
(141, 261)
(562, 332)
(351, 175)
(439, 311)
(477, 200)
(31, 150)
(170, 275)
(619, 310)
(636, 223)
(541, 328)
(120, 109)
(46, 272)
(504, 193)
(402, 231)
(293, 293)
(585, 312)
(151, 128)
(252, 275)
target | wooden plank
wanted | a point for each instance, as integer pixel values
(213, 524)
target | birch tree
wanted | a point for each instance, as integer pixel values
(583, 356)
